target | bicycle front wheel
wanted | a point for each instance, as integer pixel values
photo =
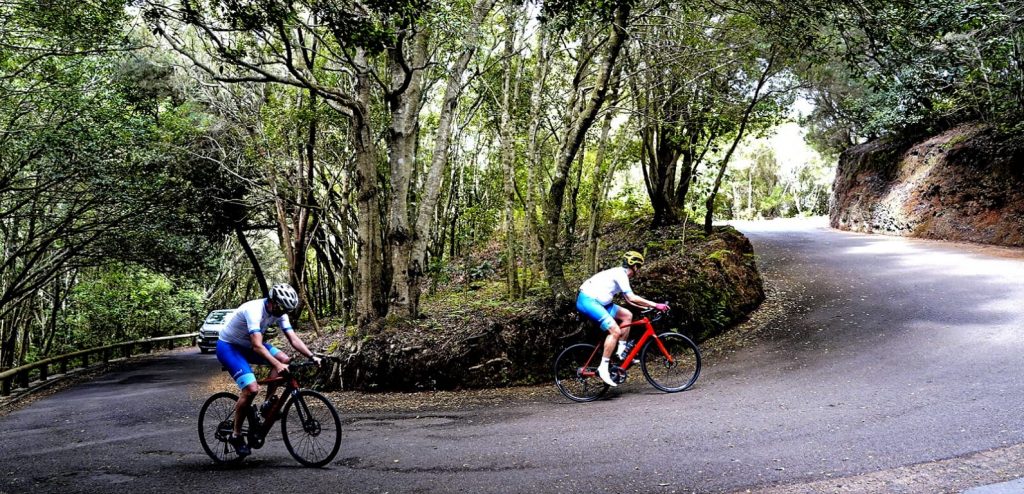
(311, 428)
(576, 373)
(216, 419)
(674, 369)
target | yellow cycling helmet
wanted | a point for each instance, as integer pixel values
(632, 258)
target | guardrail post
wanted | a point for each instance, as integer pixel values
(23, 379)
(85, 360)
(63, 366)
(5, 387)
(170, 344)
(106, 355)
(44, 372)
(127, 350)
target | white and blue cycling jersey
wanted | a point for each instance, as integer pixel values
(596, 295)
(234, 346)
(604, 286)
(251, 317)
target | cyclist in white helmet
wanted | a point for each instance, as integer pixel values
(241, 343)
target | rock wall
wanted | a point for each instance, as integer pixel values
(965, 184)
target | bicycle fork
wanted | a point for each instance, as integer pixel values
(310, 425)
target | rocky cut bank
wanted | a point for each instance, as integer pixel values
(965, 184)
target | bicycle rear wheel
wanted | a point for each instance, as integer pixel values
(311, 428)
(216, 419)
(576, 373)
(670, 374)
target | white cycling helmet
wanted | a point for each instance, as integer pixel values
(284, 295)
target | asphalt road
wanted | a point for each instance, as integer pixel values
(888, 365)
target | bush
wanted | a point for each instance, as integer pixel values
(123, 303)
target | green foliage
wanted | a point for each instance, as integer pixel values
(481, 271)
(719, 254)
(899, 68)
(122, 303)
(565, 14)
(84, 178)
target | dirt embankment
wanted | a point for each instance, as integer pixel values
(474, 337)
(965, 184)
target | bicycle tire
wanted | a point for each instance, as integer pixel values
(216, 419)
(314, 423)
(677, 374)
(576, 373)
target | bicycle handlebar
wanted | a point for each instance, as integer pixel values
(292, 367)
(657, 314)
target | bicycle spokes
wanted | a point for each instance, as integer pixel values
(311, 428)
(671, 362)
(216, 421)
(576, 375)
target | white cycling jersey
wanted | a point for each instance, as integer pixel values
(605, 285)
(251, 317)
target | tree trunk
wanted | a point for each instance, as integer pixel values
(257, 270)
(570, 145)
(602, 177)
(404, 102)
(506, 133)
(369, 302)
(425, 218)
(574, 192)
(7, 344)
(533, 148)
(710, 203)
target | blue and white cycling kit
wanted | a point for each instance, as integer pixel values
(234, 346)
(596, 295)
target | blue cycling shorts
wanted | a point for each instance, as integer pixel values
(596, 311)
(236, 360)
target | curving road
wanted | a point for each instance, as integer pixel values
(881, 365)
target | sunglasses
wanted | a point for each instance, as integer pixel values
(277, 311)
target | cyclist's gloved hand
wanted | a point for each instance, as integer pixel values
(661, 307)
(316, 360)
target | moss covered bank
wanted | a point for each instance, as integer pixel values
(473, 336)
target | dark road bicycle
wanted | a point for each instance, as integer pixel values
(670, 361)
(310, 425)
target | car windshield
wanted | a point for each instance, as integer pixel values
(218, 316)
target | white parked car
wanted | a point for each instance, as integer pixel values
(210, 330)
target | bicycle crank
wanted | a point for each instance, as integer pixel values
(256, 441)
(618, 374)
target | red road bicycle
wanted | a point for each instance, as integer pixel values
(310, 426)
(670, 361)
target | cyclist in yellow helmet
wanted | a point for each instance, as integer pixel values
(595, 301)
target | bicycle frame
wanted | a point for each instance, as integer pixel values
(648, 333)
(307, 431)
(628, 361)
(671, 362)
(291, 388)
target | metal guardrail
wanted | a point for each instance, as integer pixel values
(20, 377)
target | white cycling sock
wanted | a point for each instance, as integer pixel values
(604, 362)
(622, 347)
